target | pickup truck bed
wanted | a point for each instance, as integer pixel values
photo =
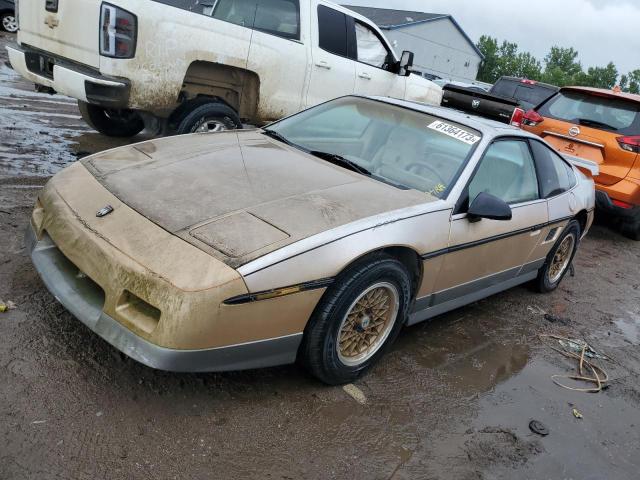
(485, 105)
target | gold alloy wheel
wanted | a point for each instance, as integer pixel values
(561, 259)
(368, 323)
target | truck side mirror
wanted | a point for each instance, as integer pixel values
(406, 62)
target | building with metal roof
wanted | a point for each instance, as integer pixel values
(442, 48)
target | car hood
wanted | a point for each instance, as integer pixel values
(240, 195)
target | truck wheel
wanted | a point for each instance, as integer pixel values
(357, 320)
(113, 123)
(208, 118)
(9, 23)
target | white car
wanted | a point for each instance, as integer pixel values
(189, 65)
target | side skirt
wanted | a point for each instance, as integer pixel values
(443, 302)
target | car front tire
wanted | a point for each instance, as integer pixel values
(113, 123)
(559, 259)
(358, 318)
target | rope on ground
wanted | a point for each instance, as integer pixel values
(599, 376)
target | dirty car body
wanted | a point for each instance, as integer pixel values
(213, 252)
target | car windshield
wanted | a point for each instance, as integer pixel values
(603, 113)
(403, 147)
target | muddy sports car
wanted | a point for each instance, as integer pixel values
(316, 238)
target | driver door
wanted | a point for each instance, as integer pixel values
(490, 252)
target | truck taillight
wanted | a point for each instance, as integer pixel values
(517, 117)
(532, 118)
(118, 30)
(630, 143)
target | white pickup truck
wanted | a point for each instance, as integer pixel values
(179, 66)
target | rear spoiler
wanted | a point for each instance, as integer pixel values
(590, 166)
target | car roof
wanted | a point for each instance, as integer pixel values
(484, 125)
(603, 92)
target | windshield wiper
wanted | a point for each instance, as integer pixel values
(594, 123)
(341, 161)
(277, 136)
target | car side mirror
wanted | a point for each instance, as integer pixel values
(406, 62)
(490, 207)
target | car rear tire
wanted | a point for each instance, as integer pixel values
(559, 259)
(111, 122)
(209, 117)
(8, 22)
(630, 226)
(358, 318)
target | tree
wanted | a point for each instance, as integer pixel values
(634, 82)
(504, 59)
(561, 66)
(489, 48)
(624, 82)
(599, 77)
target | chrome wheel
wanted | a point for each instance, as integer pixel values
(210, 126)
(561, 258)
(367, 324)
(9, 23)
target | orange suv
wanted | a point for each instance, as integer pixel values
(602, 126)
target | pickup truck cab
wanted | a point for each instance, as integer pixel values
(180, 66)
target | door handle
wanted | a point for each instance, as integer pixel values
(323, 64)
(364, 75)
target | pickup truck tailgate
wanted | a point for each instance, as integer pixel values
(72, 32)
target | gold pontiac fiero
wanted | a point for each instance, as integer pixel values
(316, 238)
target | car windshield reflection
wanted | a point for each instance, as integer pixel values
(403, 147)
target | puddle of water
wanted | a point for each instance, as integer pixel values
(630, 327)
(466, 352)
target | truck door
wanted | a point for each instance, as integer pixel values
(279, 56)
(332, 67)
(375, 65)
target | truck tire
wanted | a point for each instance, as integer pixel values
(207, 117)
(113, 123)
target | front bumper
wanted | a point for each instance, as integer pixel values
(85, 300)
(68, 78)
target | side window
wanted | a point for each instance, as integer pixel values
(370, 49)
(554, 174)
(333, 31)
(506, 171)
(277, 17)
(239, 12)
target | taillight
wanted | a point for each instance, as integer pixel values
(532, 118)
(621, 204)
(118, 30)
(517, 117)
(529, 82)
(630, 143)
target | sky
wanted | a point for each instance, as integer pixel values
(601, 31)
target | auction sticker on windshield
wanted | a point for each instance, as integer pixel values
(454, 132)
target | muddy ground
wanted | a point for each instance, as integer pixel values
(453, 400)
